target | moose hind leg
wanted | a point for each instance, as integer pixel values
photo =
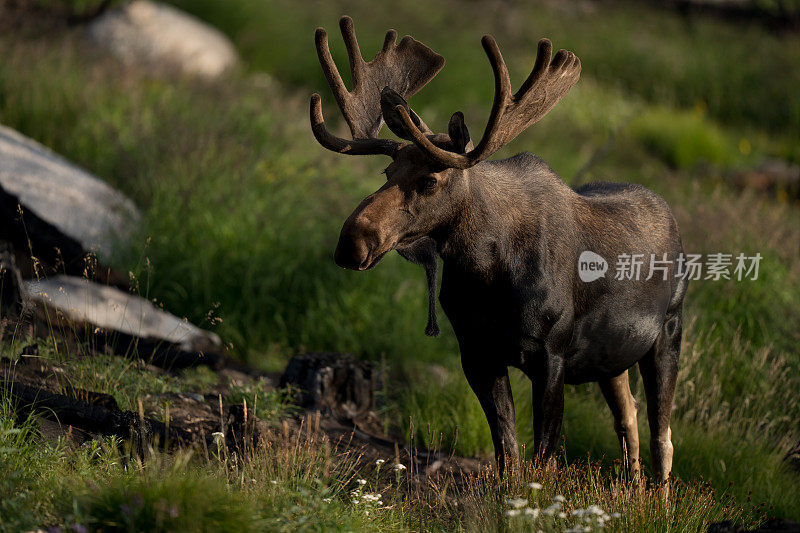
(617, 392)
(659, 369)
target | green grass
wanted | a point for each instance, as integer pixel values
(301, 485)
(243, 209)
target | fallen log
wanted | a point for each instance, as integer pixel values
(95, 419)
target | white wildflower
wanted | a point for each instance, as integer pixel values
(512, 512)
(615, 515)
(399, 466)
(533, 513)
(361, 482)
(561, 515)
(517, 503)
(218, 435)
(559, 498)
(379, 462)
(535, 486)
(327, 500)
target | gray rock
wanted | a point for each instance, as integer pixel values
(79, 204)
(82, 302)
(161, 37)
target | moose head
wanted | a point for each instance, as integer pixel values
(428, 177)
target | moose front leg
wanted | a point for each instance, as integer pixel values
(491, 385)
(548, 407)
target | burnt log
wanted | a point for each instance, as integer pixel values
(92, 418)
(332, 383)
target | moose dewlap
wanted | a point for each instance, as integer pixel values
(511, 235)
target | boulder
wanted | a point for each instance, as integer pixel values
(62, 206)
(160, 37)
(80, 304)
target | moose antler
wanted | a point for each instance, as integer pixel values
(547, 83)
(405, 67)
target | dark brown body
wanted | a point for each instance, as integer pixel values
(512, 293)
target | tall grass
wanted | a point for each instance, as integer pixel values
(303, 481)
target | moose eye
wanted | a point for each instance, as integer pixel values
(429, 184)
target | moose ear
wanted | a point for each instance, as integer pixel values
(459, 134)
(390, 99)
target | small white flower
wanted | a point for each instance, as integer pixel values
(327, 500)
(273, 482)
(517, 503)
(561, 515)
(379, 462)
(398, 467)
(535, 486)
(361, 482)
(218, 435)
(512, 512)
(577, 512)
(559, 498)
(533, 513)
(615, 515)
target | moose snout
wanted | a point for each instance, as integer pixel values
(357, 242)
(351, 253)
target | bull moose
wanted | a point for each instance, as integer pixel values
(510, 234)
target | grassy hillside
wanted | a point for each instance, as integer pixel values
(243, 208)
